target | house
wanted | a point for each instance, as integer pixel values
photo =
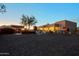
(63, 25)
(17, 28)
(67, 25)
(49, 28)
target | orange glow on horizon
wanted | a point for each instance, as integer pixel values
(8, 23)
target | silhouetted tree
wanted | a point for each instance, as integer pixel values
(27, 21)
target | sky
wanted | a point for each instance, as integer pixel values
(45, 13)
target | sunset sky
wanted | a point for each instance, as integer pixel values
(44, 12)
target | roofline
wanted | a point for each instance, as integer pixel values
(65, 20)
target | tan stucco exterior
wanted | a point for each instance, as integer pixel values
(60, 25)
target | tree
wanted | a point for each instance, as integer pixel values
(28, 21)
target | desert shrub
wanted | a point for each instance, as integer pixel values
(27, 32)
(7, 31)
(35, 28)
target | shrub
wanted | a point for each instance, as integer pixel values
(28, 32)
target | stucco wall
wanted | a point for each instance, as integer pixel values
(68, 24)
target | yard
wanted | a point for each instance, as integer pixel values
(39, 45)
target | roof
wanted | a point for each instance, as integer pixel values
(55, 24)
(47, 25)
(17, 26)
(66, 21)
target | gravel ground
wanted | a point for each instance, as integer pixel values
(39, 45)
